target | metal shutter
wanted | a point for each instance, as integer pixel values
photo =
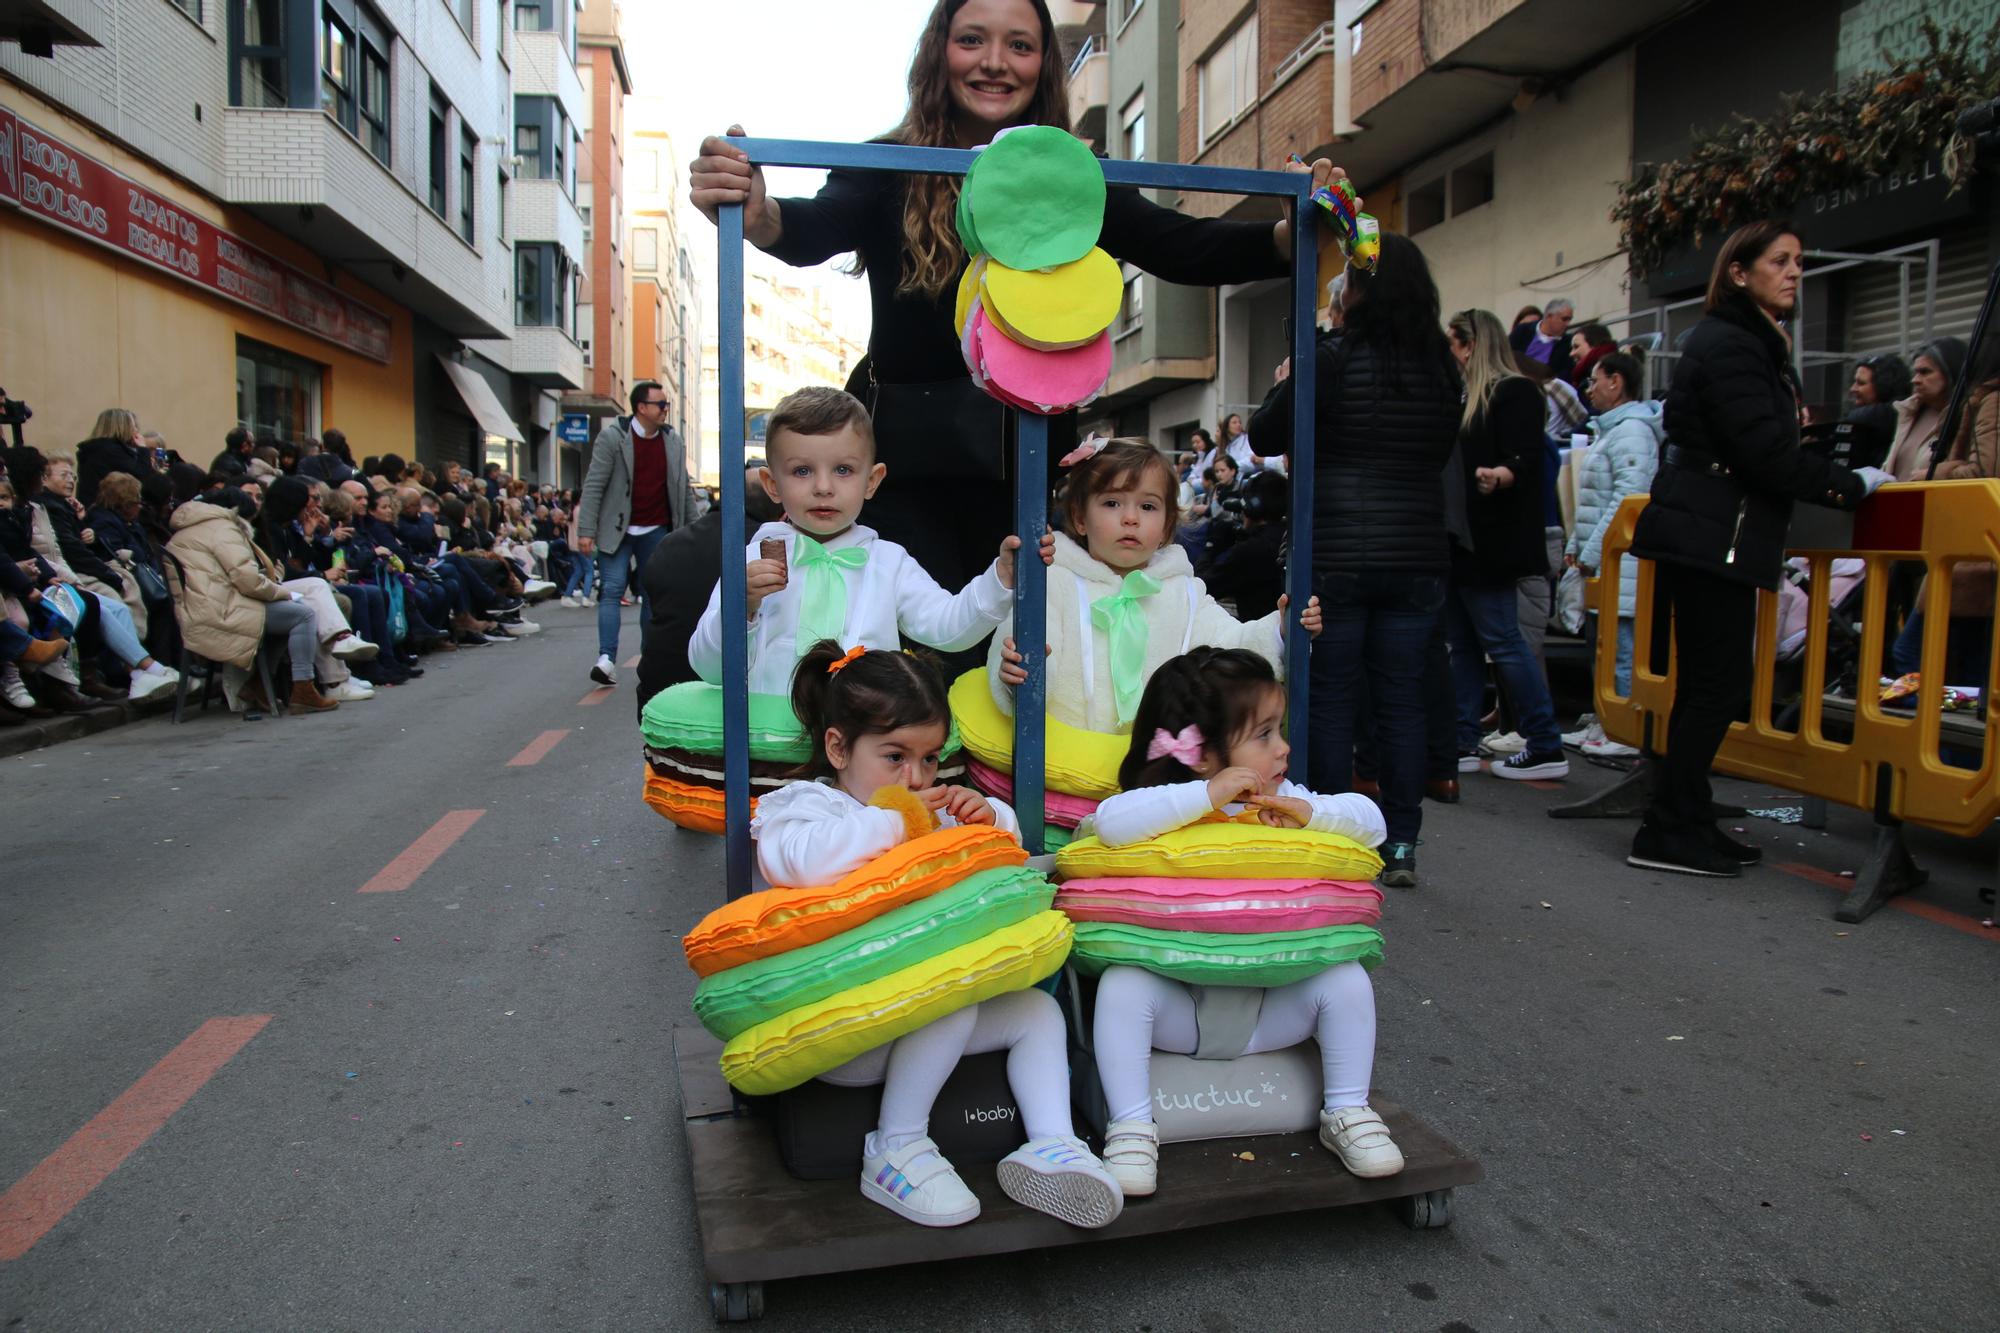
(1872, 295)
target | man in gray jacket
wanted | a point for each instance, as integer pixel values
(636, 492)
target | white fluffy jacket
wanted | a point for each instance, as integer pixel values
(1180, 616)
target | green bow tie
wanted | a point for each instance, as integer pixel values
(823, 599)
(1124, 626)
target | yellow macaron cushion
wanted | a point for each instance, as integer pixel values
(1224, 849)
(778, 919)
(785, 1051)
(1080, 763)
(1051, 309)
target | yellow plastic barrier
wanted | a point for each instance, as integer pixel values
(1891, 764)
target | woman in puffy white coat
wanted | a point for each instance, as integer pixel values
(1620, 463)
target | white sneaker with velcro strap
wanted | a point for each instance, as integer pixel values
(1132, 1156)
(1060, 1177)
(916, 1182)
(1357, 1136)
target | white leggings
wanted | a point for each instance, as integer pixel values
(1139, 1012)
(1026, 1024)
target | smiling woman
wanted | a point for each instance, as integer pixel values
(980, 67)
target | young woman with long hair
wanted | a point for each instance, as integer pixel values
(980, 67)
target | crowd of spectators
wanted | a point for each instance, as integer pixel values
(122, 564)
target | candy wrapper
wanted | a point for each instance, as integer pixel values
(1359, 234)
(773, 548)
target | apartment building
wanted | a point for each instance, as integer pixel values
(793, 336)
(603, 325)
(289, 213)
(665, 301)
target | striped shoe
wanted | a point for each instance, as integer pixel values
(916, 1181)
(1058, 1176)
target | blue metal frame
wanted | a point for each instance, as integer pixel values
(1031, 455)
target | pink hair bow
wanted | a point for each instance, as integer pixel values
(1186, 747)
(1088, 449)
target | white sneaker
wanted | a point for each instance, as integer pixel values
(64, 669)
(570, 601)
(916, 1182)
(1603, 747)
(1132, 1156)
(353, 690)
(13, 690)
(150, 684)
(354, 648)
(1586, 728)
(604, 673)
(1058, 1176)
(524, 627)
(1503, 742)
(1357, 1136)
(537, 587)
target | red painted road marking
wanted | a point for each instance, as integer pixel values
(597, 696)
(537, 749)
(415, 859)
(1944, 916)
(632, 662)
(43, 1197)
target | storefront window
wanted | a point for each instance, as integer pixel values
(277, 393)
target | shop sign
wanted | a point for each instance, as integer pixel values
(574, 428)
(46, 178)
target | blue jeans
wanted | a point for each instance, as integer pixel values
(580, 570)
(1488, 620)
(614, 571)
(1377, 623)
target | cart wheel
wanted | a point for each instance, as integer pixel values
(736, 1302)
(1425, 1212)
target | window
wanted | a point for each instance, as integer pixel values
(500, 204)
(462, 9)
(528, 146)
(585, 316)
(440, 156)
(336, 69)
(645, 249)
(1132, 310)
(500, 29)
(575, 156)
(1228, 80)
(1424, 208)
(583, 211)
(561, 142)
(587, 76)
(1472, 185)
(375, 96)
(468, 155)
(1126, 9)
(532, 16)
(646, 172)
(260, 72)
(1133, 118)
(191, 8)
(277, 394)
(529, 299)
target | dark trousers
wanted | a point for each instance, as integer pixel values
(1440, 717)
(1714, 621)
(1377, 626)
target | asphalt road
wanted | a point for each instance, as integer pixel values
(1699, 1105)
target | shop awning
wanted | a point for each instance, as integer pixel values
(479, 396)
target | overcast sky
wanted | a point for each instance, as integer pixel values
(783, 69)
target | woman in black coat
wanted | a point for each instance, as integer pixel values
(981, 66)
(1715, 528)
(1502, 456)
(1385, 413)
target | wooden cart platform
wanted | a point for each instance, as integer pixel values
(759, 1223)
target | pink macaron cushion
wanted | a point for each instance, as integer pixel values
(1223, 906)
(1058, 808)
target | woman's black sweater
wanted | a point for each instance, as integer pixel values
(1508, 541)
(912, 339)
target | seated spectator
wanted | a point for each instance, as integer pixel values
(293, 531)
(1920, 417)
(1880, 382)
(1250, 571)
(1974, 454)
(331, 463)
(394, 468)
(234, 460)
(444, 611)
(290, 453)
(263, 465)
(115, 445)
(1587, 346)
(77, 543)
(1547, 339)
(229, 600)
(122, 539)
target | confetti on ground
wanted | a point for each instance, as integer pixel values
(1847, 874)
(397, 938)
(1548, 906)
(1782, 814)
(1842, 934)
(1246, 1157)
(1676, 1038)
(1868, 1138)
(1899, 1133)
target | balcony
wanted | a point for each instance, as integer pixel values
(1090, 90)
(58, 22)
(543, 68)
(546, 356)
(302, 174)
(538, 210)
(1426, 74)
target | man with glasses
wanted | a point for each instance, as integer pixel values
(636, 492)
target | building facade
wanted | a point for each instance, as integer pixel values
(666, 299)
(603, 317)
(793, 336)
(295, 214)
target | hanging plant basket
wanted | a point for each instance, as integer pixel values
(1751, 169)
